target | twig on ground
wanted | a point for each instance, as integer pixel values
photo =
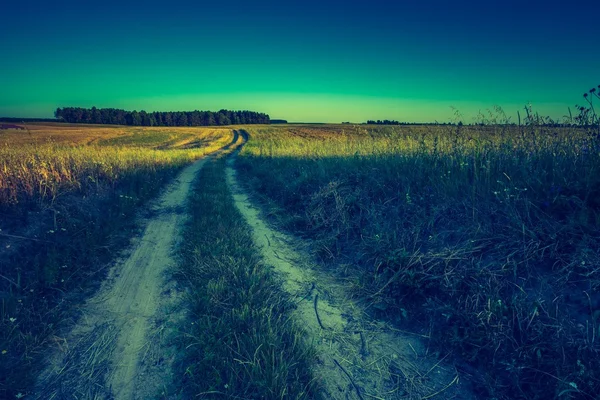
(363, 343)
(11, 281)
(438, 363)
(350, 378)
(442, 389)
(25, 238)
(317, 312)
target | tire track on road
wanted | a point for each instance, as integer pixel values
(121, 348)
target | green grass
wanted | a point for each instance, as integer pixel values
(73, 209)
(486, 237)
(240, 342)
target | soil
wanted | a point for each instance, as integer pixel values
(122, 347)
(358, 357)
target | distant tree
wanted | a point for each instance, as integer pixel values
(106, 116)
(158, 118)
(195, 118)
(143, 118)
(209, 119)
(135, 118)
(222, 118)
(182, 119)
(384, 122)
(95, 116)
(167, 119)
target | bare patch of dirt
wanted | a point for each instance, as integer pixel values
(358, 357)
(121, 348)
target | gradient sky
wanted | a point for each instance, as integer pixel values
(326, 61)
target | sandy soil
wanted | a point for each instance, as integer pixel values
(121, 347)
(358, 357)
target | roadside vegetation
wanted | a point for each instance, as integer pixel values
(68, 197)
(240, 342)
(483, 237)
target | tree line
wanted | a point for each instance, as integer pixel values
(384, 122)
(116, 116)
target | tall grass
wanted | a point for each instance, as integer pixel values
(240, 341)
(65, 211)
(41, 173)
(485, 236)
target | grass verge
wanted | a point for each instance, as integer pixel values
(240, 341)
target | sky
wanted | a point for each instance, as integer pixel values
(309, 61)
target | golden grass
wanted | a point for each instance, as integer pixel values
(49, 160)
(68, 198)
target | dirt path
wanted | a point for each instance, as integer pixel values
(358, 358)
(120, 349)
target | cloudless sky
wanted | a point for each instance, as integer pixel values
(327, 61)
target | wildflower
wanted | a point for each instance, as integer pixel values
(19, 395)
(585, 95)
(4, 351)
(592, 90)
(12, 319)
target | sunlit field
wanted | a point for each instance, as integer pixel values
(46, 162)
(68, 197)
(482, 238)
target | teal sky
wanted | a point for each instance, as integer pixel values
(325, 61)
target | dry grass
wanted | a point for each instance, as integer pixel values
(41, 165)
(240, 342)
(487, 237)
(68, 198)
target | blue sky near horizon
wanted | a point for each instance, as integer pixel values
(327, 61)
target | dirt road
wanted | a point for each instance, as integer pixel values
(120, 348)
(358, 357)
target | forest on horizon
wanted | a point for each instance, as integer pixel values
(114, 116)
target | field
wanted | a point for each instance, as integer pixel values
(300, 261)
(486, 238)
(68, 196)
